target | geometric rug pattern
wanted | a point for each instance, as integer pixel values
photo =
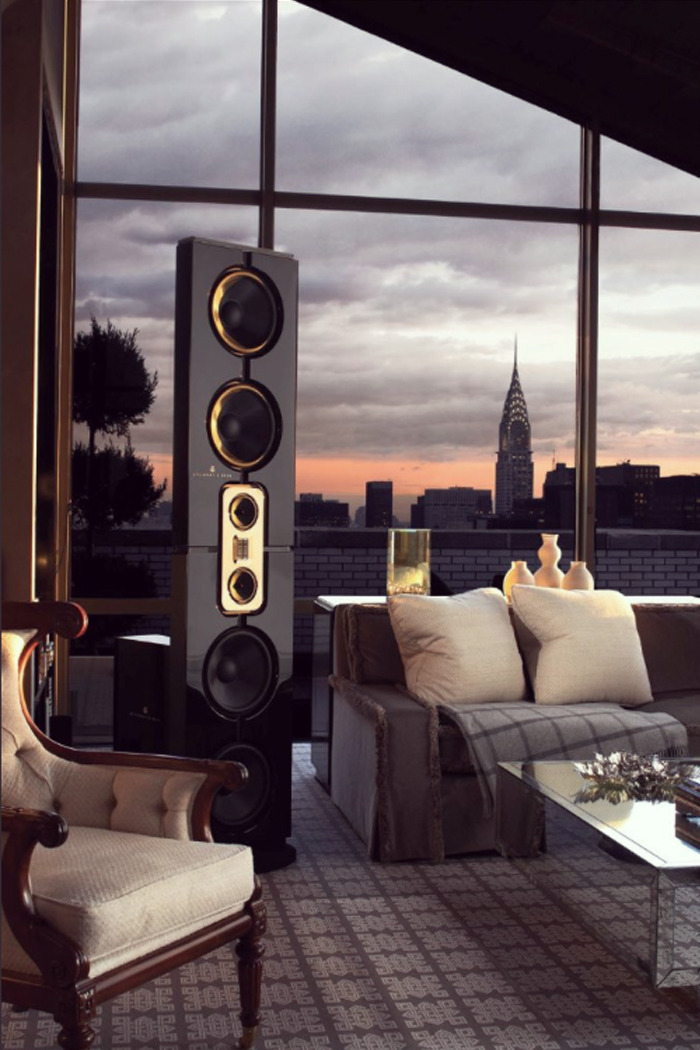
(463, 955)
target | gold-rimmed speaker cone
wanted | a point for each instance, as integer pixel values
(245, 312)
(243, 512)
(244, 425)
(242, 586)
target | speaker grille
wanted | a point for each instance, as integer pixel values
(245, 312)
(240, 672)
(244, 425)
(242, 809)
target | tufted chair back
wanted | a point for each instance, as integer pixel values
(28, 771)
(90, 796)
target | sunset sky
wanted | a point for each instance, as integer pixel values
(406, 323)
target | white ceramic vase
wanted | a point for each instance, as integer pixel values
(578, 578)
(549, 574)
(518, 573)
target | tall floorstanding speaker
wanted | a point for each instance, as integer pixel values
(233, 526)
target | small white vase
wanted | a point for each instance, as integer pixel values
(518, 573)
(549, 574)
(578, 578)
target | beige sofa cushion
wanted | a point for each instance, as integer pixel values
(121, 895)
(581, 646)
(372, 652)
(670, 637)
(459, 649)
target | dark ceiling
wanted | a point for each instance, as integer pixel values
(633, 66)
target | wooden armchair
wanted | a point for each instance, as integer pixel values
(110, 876)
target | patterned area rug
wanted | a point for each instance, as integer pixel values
(465, 955)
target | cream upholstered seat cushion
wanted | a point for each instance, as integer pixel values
(458, 649)
(581, 646)
(120, 895)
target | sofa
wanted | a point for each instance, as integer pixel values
(408, 739)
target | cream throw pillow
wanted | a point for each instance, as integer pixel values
(581, 646)
(459, 649)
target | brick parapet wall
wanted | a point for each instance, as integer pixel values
(353, 561)
(340, 561)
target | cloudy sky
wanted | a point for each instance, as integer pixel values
(407, 323)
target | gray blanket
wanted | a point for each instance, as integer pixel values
(524, 732)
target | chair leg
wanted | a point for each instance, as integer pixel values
(250, 950)
(76, 1036)
(74, 1016)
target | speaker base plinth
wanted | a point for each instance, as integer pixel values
(265, 860)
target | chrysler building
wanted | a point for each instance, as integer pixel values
(514, 463)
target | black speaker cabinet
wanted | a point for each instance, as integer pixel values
(235, 385)
(141, 670)
(233, 524)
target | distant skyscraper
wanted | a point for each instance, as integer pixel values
(514, 463)
(312, 510)
(379, 504)
(453, 508)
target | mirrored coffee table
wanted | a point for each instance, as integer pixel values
(618, 868)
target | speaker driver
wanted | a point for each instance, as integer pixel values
(240, 672)
(241, 809)
(242, 586)
(243, 512)
(245, 426)
(245, 312)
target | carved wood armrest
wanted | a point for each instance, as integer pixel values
(59, 959)
(35, 826)
(67, 619)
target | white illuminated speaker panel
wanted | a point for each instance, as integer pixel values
(242, 554)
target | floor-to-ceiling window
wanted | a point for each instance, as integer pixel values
(436, 223)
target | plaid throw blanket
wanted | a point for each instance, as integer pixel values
(525, 732)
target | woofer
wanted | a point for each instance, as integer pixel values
(240, 672)
(244, 425)
(245, 312)
(241, 809)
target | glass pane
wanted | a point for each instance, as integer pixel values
(359, 115)
(125, 297)
(648, 409)
(406, 344)
(635, 181)
(169, 92)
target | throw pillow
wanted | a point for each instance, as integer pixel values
(581, 646)
(458, 649)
